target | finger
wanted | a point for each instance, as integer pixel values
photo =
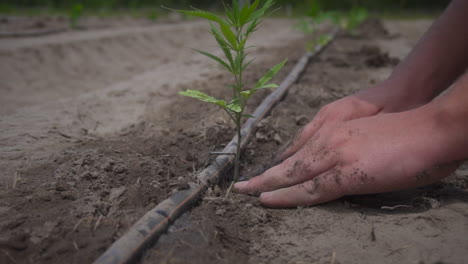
(304, 165)
(302, 137)
(321, 189)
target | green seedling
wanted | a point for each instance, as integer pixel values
(306, 26)
(232, 32)
(153, 15)
(75, 13)
(355, 17)
(320, 41)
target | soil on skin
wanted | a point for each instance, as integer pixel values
(94, 135)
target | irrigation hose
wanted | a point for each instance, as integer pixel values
(146, 231)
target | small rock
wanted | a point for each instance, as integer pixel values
(261, 136)
(87, 175)
(108, 165)
(183, 186)
(115, 193)
(220, 212)
(301, 120)
(277, 138)
(61, 187)
(209, 192)
(120, 169)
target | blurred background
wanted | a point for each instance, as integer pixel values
(298, 7)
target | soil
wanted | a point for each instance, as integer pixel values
(94, 135)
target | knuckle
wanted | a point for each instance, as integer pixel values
(311, 187)
(337, 139)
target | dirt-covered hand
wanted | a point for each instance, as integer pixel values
(345, 109)
(388, 97)
(375, 154)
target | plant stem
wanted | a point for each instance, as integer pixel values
(238, 153)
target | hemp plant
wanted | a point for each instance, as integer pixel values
(232, 32)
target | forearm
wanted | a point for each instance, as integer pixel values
(437, 60)
(449, 115)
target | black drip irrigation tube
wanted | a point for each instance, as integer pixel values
(146, 231)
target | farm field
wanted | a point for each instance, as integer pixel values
(94, 134)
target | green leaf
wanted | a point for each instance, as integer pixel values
(204, 97)
(234, 107)
(229, 35)
(248, 116)
(203, 14)
(254, 5)
(261, 12)
(248, 93)
(270, 74)
(323, 40)
(247, 11)
(247, 64)
(315, 8)
(252, 27)
(271, 85)
(214, 57)
(222, 44)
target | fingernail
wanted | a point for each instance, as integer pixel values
(241, 185)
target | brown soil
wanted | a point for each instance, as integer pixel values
(94, 135)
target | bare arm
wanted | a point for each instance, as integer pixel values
(436, 62)
(438, 59)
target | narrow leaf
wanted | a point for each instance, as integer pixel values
(254, 5)
(252, 27)
(270, 74)
(271, 85)
(203, 14)
(214, 57)
(234, 107)
(222, 43)
(204, 97)
(244, 14)
(261, 12)
(229, 35)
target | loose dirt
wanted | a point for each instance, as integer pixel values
(94, 135)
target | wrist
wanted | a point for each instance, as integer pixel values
(392, 96)
(448, 127)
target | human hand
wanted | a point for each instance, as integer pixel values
(387, 97)
(381, 153)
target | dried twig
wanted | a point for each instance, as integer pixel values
(77, 225)
(395, 207)
(333, 258)
(16, 179)
(97, 223)
(76, 246)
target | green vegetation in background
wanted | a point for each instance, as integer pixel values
(76, 12)
(309, 5)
